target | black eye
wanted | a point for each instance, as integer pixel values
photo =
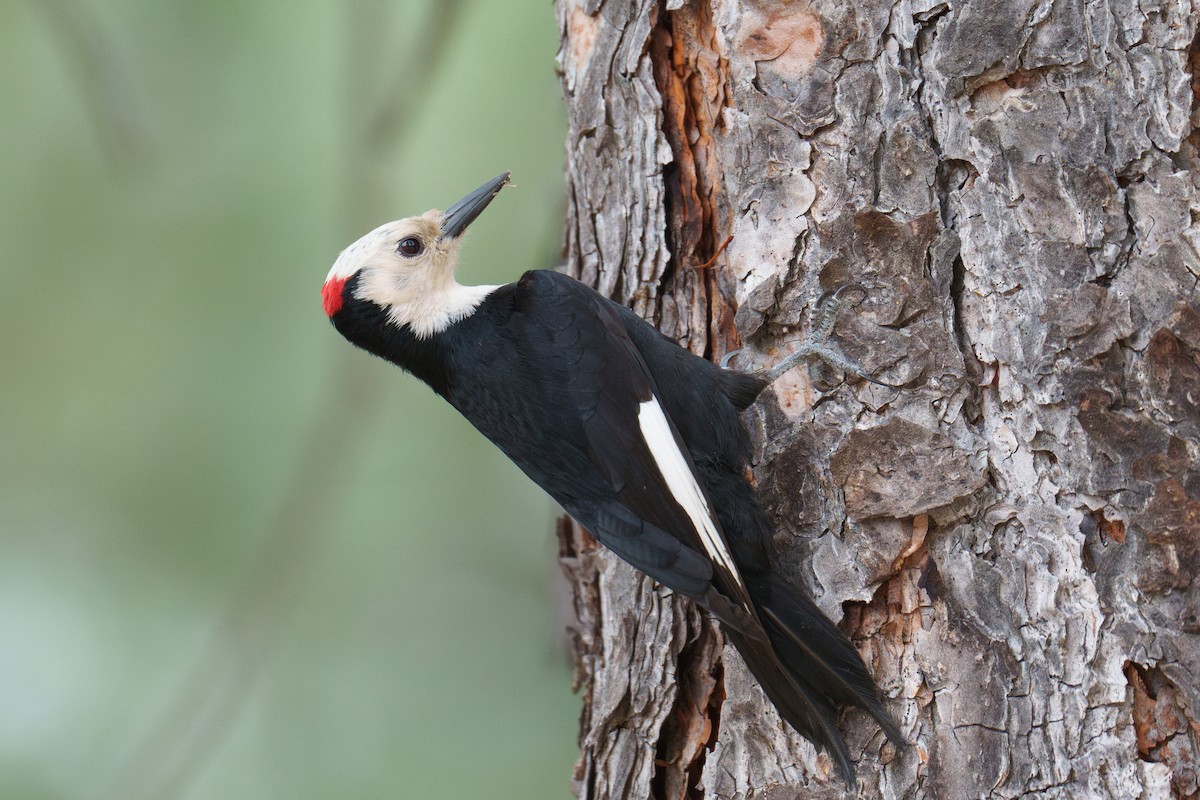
(410, 247)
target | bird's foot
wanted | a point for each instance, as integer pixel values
(730, 356)
(819, 343)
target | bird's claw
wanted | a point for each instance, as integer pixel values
(818, 344)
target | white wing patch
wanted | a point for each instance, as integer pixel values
(673, 467)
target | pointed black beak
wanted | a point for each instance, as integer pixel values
(464, 212)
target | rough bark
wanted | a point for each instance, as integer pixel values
(1012, 538)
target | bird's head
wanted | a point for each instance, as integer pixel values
(407, 267)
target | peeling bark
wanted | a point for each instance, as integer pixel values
(1013, 538)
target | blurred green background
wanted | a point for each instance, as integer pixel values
(238, 558)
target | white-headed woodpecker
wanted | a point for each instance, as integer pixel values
(636, 438)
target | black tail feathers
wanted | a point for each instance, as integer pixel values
(812, 646)
(812, 715)
(810, 671)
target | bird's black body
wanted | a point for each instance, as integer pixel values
(564, 380)
(554, 374)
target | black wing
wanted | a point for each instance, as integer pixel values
(586, 365)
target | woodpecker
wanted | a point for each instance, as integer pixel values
(638, 439)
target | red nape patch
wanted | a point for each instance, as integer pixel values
(331, 295)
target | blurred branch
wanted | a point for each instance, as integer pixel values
(108, 94)
(206, 703)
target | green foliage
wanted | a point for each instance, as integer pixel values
(238, 558)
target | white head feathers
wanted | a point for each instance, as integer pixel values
(405, 268)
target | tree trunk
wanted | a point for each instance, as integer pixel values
(1012, 537)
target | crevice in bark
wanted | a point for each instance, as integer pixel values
(690, 730)
(692, 78)
(951, 176)
(1021, 78)
(892, 619)
(1166, 727)
(1129, 243)
(1110, 529)
(973, 402)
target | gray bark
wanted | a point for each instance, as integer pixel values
(1012, 538)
